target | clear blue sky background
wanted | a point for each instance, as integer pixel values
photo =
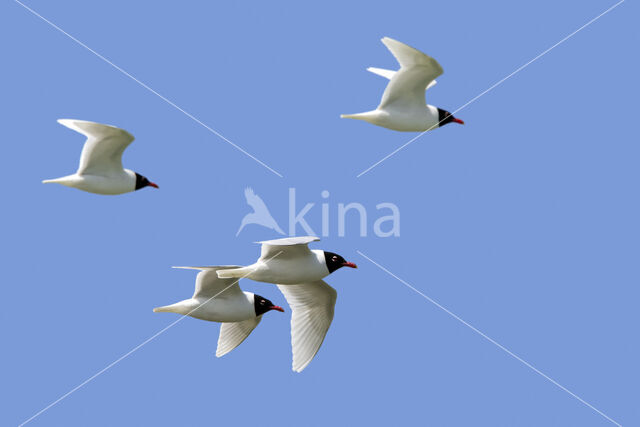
(524, 222)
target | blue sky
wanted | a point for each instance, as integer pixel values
(524, 222)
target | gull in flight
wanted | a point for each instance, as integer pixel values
(100, 169)
(403, 106)
(222, 300)
(298, 271)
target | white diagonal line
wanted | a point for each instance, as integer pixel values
(130, 352)
(491, 340)
(168, 101)
(493, 86)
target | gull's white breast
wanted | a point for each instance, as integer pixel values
(408, 119)
(120, 183)
(221, 309)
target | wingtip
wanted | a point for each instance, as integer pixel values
(188, 267)
(220, 353)
(298, 370)
(185, 267)
(66, 122)
(313, 239)
(301, 367)
(206, 267)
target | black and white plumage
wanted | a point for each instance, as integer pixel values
(298, 271)
(222, 300)
(100, 170)
(403, 106)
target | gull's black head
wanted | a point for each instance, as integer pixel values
(445, 117)
(335, 261)
(261, 305)
(142, 181)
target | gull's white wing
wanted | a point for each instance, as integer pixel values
(407, 86)
(209, 285)
(102, 151)
(287, 247)
(388, 74)
(312, 306)
(234, 333)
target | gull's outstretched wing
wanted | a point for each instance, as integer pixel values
(388, 74)
(407, 86)
(287, 247)
(209, 285)
(102, 151)
(312, 306)
(233, 334)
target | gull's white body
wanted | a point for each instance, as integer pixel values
(403, 106)
(298, 272)
(219, 300)
(124, 182)
(100, 170)
(287, 261)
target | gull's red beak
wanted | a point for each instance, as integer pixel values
(460, 122)
(277, 307)
(349, 264)
(153, 184)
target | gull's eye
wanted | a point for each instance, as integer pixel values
(335, 258)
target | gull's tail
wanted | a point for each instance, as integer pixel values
(234, 273)
(345, 116)
(173, 308)
(54, 181)
(68, 180)
(357, 116)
